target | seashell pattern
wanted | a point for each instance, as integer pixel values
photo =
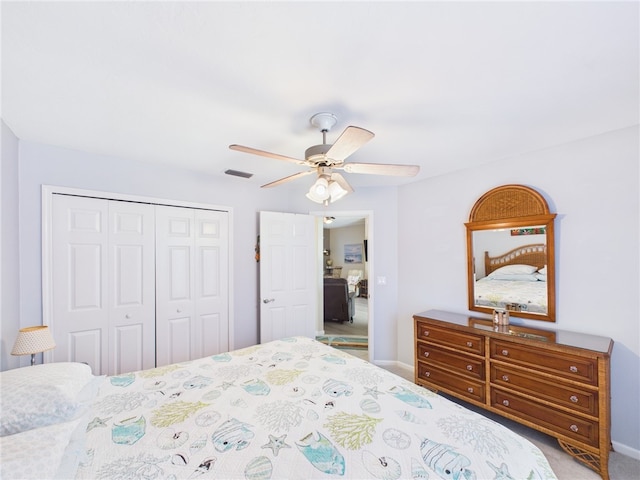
(291, 409)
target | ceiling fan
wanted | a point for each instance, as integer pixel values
(325, 158)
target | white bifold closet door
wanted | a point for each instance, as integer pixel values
(137, 285)
(192, 287)
(103, 283)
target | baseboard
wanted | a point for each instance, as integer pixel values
(394, 363)
(626, 450)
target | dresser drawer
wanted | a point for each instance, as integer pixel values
(464, 387)
(580, 429)
(464, 342)
(569, 396)
(463, 364)
(564, 365)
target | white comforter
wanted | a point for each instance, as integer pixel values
(293, 408)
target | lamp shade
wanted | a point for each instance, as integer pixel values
(33, 340)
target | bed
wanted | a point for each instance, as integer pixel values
(515, 280)
(292, 408)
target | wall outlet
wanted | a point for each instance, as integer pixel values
(382, 280)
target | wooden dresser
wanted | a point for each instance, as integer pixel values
(551, 380)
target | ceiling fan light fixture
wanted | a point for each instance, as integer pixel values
(336, 192)
(319, 191)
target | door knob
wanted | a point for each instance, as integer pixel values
(268, 300)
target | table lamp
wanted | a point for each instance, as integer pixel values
(32, 340)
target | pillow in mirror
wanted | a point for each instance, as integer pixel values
(515, 277)
(516, 269)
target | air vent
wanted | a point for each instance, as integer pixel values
(237, 173)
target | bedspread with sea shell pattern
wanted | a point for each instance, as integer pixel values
(292, 408)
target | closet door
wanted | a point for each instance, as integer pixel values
(80, 323)
(103, 298)
(192, 276)
(132, 309)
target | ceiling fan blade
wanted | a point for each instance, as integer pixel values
(381, 169)
(340, 180)
(348, 142)
(262, 153)
(295, 176)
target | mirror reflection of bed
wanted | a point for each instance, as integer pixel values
(515, 280)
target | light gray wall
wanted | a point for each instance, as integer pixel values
(43, 164)
(9, 248)
(340, 237)
(593, 186)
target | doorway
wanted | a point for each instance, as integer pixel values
(346, 253)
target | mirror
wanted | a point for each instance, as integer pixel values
(510, 254)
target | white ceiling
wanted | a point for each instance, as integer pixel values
(446, 85)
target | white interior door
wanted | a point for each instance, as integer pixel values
(288, 286)
(132, 309)
(192, 271)
(211, 310)
(103, 283)
(80, 321)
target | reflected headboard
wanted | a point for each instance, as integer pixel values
(535, 254)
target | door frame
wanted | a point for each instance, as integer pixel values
(47, 237)
(368, 220)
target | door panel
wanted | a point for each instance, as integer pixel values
(192, 283)
(85, 269)
(86, 347)
(128, 356)
(211, 283)
(80, 320)
(174, 284)
(132, 287)
(178, 348)
(287, 275)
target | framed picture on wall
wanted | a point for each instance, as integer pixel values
(353, 253)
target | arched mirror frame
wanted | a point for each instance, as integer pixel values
(511, 207)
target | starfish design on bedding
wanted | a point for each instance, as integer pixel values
(372, 391)
(97, 422)
(276, 443)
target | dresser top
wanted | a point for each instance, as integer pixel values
(516, 329)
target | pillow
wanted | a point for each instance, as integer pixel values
(531, 277)
(353, 279)
(541, 277)
(40, 395)
(41, 452)
(514, 270)
(543, 270)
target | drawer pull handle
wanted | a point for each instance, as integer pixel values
(505, 352)
(425, 333)
(573, 369)
(573, 398)
(505, 378)
(426, 354)
(505, 403)
(469, 344)
(470, 389)
(574, 428)
(427, 374)
(470, 368)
